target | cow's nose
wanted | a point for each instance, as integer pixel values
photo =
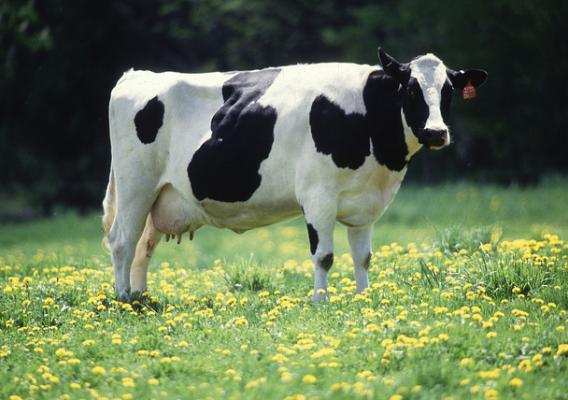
(436, 137)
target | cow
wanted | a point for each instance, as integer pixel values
(246, 149)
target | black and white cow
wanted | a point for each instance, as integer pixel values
(241, 150)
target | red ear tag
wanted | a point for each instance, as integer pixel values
(469, 91)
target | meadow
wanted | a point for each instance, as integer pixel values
(468, 299)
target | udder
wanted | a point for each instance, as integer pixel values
(172, 214)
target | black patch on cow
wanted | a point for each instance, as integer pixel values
(327, 261)
(383, 102)
(446, 101)
(415, 108)
(314, 240)
(149, 120)
(225, 167)
(367, 261)
(339, 134)
(347, 137)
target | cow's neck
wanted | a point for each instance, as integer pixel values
(412, 143)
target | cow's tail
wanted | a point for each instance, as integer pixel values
(109, 204)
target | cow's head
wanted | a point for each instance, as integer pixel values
(426, 87)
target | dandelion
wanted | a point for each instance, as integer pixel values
(516, 382)
(295, 397)
(128, 382)
(98, 370)
(466, 362)
(525, 365)
(286, 377)
(562, 350)
(153, 381)
(279, 358)
(60, 352)
(310, 379)
(255, 383)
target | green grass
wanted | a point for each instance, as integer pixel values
(458, 308)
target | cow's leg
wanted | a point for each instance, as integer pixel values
(320, 222)
(144, 250)
(360, 243)
(131, 213)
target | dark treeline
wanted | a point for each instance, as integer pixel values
(59, 60)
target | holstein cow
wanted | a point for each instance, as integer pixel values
(241, 150)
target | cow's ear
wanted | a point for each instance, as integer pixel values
(460, 78)
(399, 71)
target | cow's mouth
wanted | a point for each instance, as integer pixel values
(434, 139)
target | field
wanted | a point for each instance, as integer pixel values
(469, 299)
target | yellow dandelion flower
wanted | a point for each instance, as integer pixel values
(128, 382)
(490, 394)
(466, 362)
(286, 377)
(525, 365)
(153, 381)
(516, 382)
(562, 350)
(98, 370)
(60, 352)
(310, 379)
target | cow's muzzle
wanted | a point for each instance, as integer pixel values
(435, 138)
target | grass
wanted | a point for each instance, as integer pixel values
(469, 299)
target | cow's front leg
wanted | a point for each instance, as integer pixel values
(320, 231)
(360, 243)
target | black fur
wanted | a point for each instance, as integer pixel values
(347, 137)
(225, 167)
(327, 261)
(149, 120)
(314, 240)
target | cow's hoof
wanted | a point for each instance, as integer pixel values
(123, 296)
(138, 295)
(319, 298)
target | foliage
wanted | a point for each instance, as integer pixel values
(60, 59)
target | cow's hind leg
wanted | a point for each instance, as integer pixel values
(131, 213)
(144, 251)
(360, 243)
(320, 223)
